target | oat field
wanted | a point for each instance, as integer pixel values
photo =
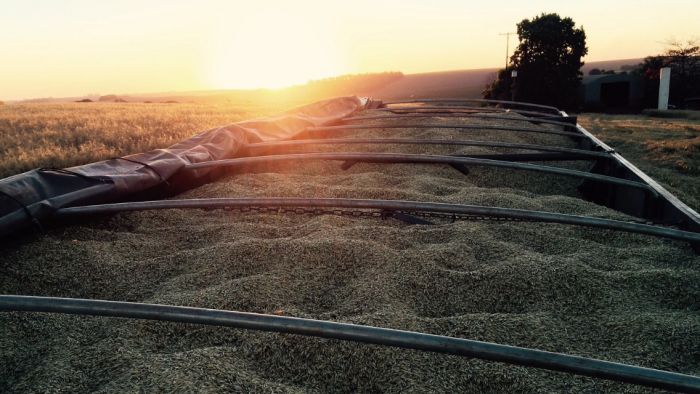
(64, 135)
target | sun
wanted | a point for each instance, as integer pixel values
(271, 50)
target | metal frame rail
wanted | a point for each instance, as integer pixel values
(257, 148)
(353, 127)
(384, 206)
(547, 108)
(462, 115)
(665, 208)
(359, 333)
(417, 158)
(463, 108)
(613, 182)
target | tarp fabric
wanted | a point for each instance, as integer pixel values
(29, 198)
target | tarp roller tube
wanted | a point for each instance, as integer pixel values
(358, 333)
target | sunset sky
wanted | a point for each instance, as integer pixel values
(76, 47)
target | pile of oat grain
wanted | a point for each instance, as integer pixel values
(604, 294)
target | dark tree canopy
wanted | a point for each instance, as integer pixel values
(684, 60)
(500, 89)
(548, 62)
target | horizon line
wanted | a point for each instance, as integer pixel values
(233, 89)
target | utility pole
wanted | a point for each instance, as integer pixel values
(507, 44)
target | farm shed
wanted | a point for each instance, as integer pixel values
(612, 92)
(479, 223)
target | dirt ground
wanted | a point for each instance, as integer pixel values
(610, 295)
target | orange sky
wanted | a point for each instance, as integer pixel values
(76, 47)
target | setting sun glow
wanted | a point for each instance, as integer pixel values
(76, 47)
(271, 50)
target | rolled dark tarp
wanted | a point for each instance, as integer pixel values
(27, 198)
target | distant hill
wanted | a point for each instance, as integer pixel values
(462, 83)
(388, 85)
(466, 83)
(614, 65)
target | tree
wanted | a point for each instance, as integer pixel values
(548, 62)
(500, 89)
(684, 60)
(598, 71)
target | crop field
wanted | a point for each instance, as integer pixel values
(64, 135)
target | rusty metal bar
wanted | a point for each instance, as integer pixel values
(357, 333)
(415, 158)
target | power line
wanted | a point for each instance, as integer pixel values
(507, 44)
